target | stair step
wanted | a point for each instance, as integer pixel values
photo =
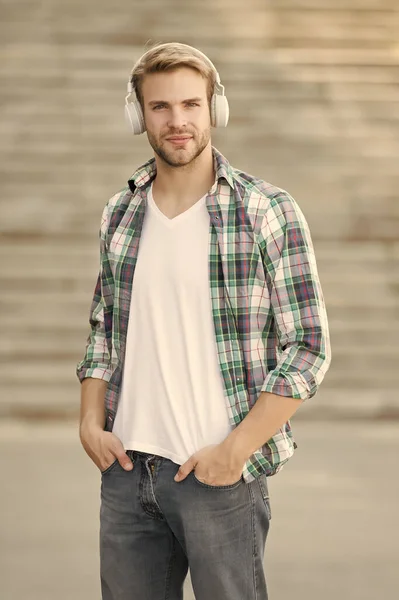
(44, 343)
(42, 398)
(364, 377)
(364, 257)
(344, 74)
(48, 315)
(333, 276)
(344, 322)
(46, 400)
(336, 56)
(35, 262)
(357, 373)
(345, 332)
(354, 7)
(39, 372)
(351, 402)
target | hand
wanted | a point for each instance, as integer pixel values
(104, 447)
(213, 465)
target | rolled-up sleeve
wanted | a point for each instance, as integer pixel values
(297, 301)
(96, 360)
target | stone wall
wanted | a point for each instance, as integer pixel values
(313, 87)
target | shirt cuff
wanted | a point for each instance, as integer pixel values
(292, 385)
(95, 372)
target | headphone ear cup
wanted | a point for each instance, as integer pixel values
(219, 111)
(134, 117)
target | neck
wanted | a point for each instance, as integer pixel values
(182, 184)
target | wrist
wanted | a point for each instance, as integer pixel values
(236, 451)
(89, 428)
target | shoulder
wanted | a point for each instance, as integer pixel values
(121, 198)
(263, 199)
(119, 201)
(114, 209)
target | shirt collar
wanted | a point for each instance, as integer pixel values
(146, 173)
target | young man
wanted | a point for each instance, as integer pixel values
(208, 330)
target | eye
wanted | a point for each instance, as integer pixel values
(192, 104)
(157, 106)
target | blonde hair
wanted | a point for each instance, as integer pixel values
(169, 57)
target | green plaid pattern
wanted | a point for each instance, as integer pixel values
(267, 304)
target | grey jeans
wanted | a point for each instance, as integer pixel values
(152, 529)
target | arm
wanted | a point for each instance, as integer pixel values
(94, 372)
(300, 322)
(96, 361)
(297, 302)
(103, 447)
(92, 413)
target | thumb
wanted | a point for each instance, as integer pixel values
(124, 460)
(183, 471)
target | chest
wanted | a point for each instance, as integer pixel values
(230, 252)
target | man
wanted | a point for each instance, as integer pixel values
(208, 330)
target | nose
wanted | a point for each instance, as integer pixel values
(177, 118)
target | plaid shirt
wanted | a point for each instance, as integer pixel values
(267, 304)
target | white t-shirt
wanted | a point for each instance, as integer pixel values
(172, 399)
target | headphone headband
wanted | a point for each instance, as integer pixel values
(130, 87)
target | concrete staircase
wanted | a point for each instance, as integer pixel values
(313, 89)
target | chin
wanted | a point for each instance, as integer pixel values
(173, 162)
(179, 158)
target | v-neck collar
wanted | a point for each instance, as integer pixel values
(178, 218)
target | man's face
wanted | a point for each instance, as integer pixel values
(176, 113)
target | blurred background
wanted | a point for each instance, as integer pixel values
(313, 87)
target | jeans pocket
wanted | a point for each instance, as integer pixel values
(111, 466)
(217, 487)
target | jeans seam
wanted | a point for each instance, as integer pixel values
(254, 547)
(265, 498)
(167, 588)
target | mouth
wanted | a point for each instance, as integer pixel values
(178, 139)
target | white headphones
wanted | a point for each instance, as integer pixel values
(219, 104)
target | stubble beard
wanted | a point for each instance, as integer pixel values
(180, 157)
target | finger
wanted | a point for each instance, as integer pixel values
(183, 471)
(124, 460)
(120, 453)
